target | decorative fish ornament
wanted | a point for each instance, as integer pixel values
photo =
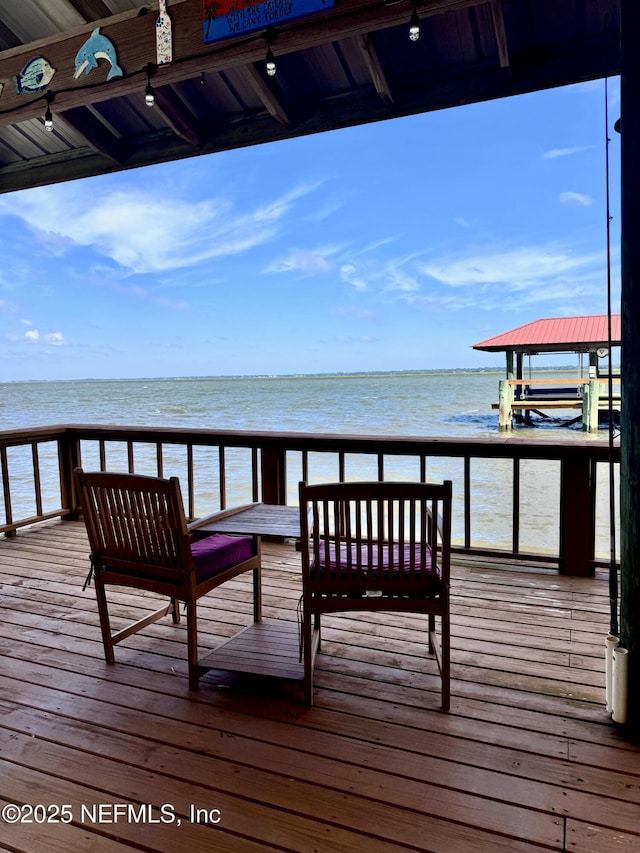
(164, 48)
(35, 76)
(97, 47)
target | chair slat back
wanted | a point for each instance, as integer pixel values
(136, 523)
(390, 537)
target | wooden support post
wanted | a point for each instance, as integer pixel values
(505, 399)
(274, 475)
(510, 373)
(68, 459)
(591, 406)
(630, 356)
(576, 517)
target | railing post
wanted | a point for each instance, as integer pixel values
(505, 399)
(577, 527)
(68, 459)
(591, 406)
(274, 475)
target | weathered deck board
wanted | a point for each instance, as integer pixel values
(526, 760)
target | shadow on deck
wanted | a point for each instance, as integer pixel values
(526, 760)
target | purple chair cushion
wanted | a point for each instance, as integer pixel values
(365, 568)
(219, 552)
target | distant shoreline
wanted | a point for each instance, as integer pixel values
(453, 371)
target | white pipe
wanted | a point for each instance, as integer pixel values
(620, 676)
(610, 644)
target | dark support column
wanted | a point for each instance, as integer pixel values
(274, 475)
(630, 356)
(68, 459)
(576, 518)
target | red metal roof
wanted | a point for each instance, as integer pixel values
(556, 334)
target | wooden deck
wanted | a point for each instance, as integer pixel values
(526, 760)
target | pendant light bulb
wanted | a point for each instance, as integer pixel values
(149, 97)
(270, 62)
(414, 26)
(48, 117)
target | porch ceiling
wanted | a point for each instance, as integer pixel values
(347, 65)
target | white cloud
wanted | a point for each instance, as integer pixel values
(306, 261)
(55, 339)
(554, 153)
(350, 274)
(576, 198)
(351, 311)
(33, 336)
(149, 232)
(517, 268)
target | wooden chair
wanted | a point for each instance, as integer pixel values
(376, 546)
(139, 538)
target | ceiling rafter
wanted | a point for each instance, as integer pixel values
(267, 94)
(102, 140)
(374, 68)
(178, 116)
(500, 31)
(91, 10)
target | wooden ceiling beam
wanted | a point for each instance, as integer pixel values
(84, 121)
(91, 10)
(178, 116)
(500, 31)
(133, 35)
(374, 67)
(266, 93)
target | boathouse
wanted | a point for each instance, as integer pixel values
(594, 390)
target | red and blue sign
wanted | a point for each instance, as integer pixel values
(224, 19)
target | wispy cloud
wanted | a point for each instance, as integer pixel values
(354, 276)
(306, 261)
(576, 198)
(147, 232)
(554, 153)
(33, 336)
(379, 274)
(352, 311)
(517, 267)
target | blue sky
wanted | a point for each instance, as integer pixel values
(393, 246)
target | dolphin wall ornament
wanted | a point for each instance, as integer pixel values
(97, 47)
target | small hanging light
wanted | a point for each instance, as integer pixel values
(270, 62)
(149, 97)
(48, 117)
(414, 25)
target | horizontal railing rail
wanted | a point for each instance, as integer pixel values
(515, 498)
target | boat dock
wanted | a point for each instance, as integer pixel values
(527, 400)
(524, 403)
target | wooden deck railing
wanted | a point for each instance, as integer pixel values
(221, 468)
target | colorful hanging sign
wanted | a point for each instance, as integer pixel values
(164, 48)
(223, 19)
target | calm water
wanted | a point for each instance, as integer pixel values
(407, 404)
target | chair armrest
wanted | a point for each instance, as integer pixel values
(439, 523)
(218, 516)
